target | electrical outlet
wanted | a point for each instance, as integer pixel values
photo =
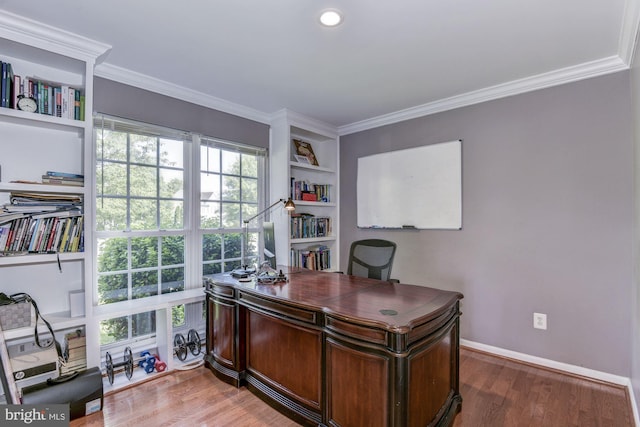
(540, 321)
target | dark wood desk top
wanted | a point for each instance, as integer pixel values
(390, 306)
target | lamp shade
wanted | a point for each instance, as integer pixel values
(289, 205)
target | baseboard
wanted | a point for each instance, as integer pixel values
(634, 407)
(559, 366)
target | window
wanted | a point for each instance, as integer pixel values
(140, 211)
(230, 185)
(147, 198)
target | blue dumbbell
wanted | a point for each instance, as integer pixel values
(148, 363)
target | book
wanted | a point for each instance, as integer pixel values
(34, 209)
(77, 353)
(64, 175)
(9, 94)
(3, 84)
(65, 235)
(5, 230)
(10, 216)
(71, 103)
(62, 181)
(59, 213)
(76, 338)
(57, 93)
(76, 105)
(39, 89)
(65, 101)
(17, 197)
(27, 89)
(82, 106)
(16, 91)
(77, 362)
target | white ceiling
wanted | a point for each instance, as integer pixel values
(387, 60)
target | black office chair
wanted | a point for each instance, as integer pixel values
(371, 258)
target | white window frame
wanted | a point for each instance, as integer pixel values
(193, 233)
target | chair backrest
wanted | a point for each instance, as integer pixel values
(371, 258)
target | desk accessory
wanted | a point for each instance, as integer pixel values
(245, 271)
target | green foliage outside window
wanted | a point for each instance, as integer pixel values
(140, 188)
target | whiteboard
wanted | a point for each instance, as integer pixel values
(413, 188)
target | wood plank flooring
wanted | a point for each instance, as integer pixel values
(495, 391)
(503, 392)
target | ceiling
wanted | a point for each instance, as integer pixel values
(386, 61)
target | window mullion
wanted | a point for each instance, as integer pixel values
(193, 235)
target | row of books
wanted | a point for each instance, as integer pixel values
(317, 258)
(306, 226)
(43, 235)
(75, 352)
(303, 190)
(53, 99)
(41, 223)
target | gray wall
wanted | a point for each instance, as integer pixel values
(133, 103)
(635, 315)
(547, 220)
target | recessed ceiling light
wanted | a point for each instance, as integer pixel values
(330, 18)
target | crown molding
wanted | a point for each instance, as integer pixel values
(554, 78)
(46, 37)
(142, 81)
(307, 123)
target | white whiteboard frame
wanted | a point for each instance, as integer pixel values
(414, 188)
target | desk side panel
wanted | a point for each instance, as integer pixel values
(287, 357)
(357, 386)
(432, 381)
(225, 342)
(223, 348)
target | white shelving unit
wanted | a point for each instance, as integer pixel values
(32, 144)
(285, 127)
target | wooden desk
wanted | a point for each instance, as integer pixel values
(337, 350)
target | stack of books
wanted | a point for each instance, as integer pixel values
(75, 352)
(63, 178)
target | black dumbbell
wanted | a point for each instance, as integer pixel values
(193, 343)
(127, 363)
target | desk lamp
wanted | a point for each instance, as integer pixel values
(245, 270)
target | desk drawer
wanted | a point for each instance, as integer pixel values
(278, 309)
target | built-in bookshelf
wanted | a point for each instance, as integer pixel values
(308, 237)
(51, 154)
(42, 246)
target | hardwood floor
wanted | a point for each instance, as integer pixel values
(502, 392)
(495, 391)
